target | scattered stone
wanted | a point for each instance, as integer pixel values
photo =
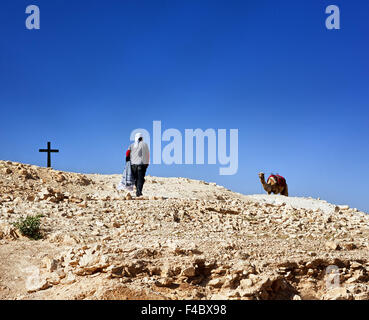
(339, 293)
(128, 196)
(216, 283)
(349, 246)
(246, 283)
(344, 207)
(189, 272)
(69, 279)
(332, 245)
(200, 241)
(50, 264)
(36, 283)
(8, 231)
(166, 282)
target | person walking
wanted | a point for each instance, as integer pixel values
(140, 159)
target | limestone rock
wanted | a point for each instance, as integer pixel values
(50, 264)
(165, 282)
(332, 245)
(189, 272)
(36, 283)
(169, 270)
(349, 246)
(7, 171)
(69, 279)
(216, 283)
(339, 293)
(195, 240)
(246, 283)
(128, 196)
(8, 231)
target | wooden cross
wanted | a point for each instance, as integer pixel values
(48, 150)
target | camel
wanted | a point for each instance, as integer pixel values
(274, 184)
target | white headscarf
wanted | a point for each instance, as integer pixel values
(137, 136)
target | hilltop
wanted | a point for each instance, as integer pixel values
(185, 239)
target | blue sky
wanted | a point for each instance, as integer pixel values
(297, 92)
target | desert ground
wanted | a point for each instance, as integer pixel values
(184, 239)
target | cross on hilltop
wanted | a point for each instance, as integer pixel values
(48, 150)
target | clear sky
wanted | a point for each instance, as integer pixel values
(297, 92)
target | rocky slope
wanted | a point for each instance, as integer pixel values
(184, 239)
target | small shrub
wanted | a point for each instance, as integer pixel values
(30, 226)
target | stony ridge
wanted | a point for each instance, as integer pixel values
(185, 239)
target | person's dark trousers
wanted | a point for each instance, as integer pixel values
(138, 172)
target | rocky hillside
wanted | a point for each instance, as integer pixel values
(184, 239)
